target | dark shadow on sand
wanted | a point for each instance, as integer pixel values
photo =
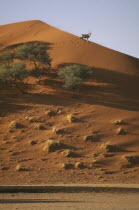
(15, 201)
(105, 87)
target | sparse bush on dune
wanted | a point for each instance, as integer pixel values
(30, 119)
(71, 118)
(74, 75)
(129, 161)
(58, 131)
(14, 125)
(79, 165)
(39, 126)
(92, 138)
(110, 147)
(19, 167)
(6, 58)
(52, 146)
(35, 53)
(13, 73)
(120, 131)
(10, 73)
(19, 71)
(119, 122)
(67, 166)
(69, 153)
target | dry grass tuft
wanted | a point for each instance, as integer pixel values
(69, 153)
(92, 138)
(72, 118)
(67, 166)
(110, 147)
(58, 130)
(129, 161)
(120, 131)
(52, 146)
(14, 125)
(79, 165)
(39, 126)
(19, 168)
(119, 122)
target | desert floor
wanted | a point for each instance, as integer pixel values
(95, 127)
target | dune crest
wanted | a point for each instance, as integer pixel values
(68, 48)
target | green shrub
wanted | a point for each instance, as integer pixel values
(34, 52)
(6, 58)
(74, 75)
(19, 71)
(13, 72)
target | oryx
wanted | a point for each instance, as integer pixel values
(85, 36)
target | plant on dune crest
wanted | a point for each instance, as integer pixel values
(34, 52)
(74, 75)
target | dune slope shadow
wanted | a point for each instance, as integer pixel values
(106, 87)
(113, 89)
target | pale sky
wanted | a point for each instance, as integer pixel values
(113, 23)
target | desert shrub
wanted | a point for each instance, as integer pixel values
(6, 58)
(13, 72)
(19, 71)
(74, 75)
(35, 53)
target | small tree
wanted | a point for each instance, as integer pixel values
(34, 52)
(19, 71)
(74, 75)
(13, 73)
(6, 58)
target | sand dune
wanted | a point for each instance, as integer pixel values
(111, 94)
(68, 48)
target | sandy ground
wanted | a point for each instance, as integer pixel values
(63, 201)
(110, 95)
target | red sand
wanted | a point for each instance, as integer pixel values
(111, 94)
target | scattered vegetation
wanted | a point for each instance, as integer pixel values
(67, 166)
(79, 165)
(39, 126)
(119, 122)
(52, 146)
(14, 125)
(30, 119)
(92, 138)
(69, 153)
(59, 130)
(50, 113)
(129, 161)
(120, 131)
(15, 73)
(71, 118)
(74, 75)
(19, 167)
(35, 53)
(6, 58)
(110, 147)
